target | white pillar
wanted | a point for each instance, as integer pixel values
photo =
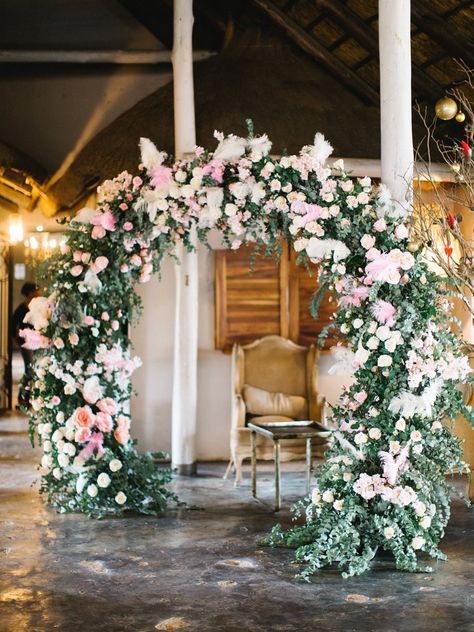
(183, 435)
(395, 99)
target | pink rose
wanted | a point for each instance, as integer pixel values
(64, 248)
(76, 270)
(86, 256)
(103, 421)
(82, 435)
(73, 339)
(105, 316)
(367, 242)
(128, 226)
(123, 422)
(123, 206)
(122, 435)
(124, 268)
(83, 417)
(88, 320)
(136, 260)
(99, 264)
(137, 181)
(55, 400)
(380, 225)
(115, 325)
(360, 397)
(76, 255)
(107, 405)
(98, 232)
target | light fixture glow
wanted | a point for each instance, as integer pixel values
(15, 229)
(40, 228)
(34, 243)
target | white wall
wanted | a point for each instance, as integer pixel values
(153, 340)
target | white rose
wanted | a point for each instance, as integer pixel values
(436, 425)
(47, 461)
(383, 332)
(418, 542)
(103, 480)
(372, 328)
(344, 328)
(394, 447)
(328, 497)
(425, 522)
(315, 496)
(373, 342)
(338, 505)
(69, 449)
(57, 473)
(361, 356)
(420, 508)
(92, 391)
(367, 242)
(63, 460)
(384, 360)
(401, 424)
(375, 433)
(357, 324)
(360, 438)
(391, 345)
(60, 417)
(47, 446)
(120, 499)
(115, 465)
(92, 491)
(415, 435)
(417, 448)
(389, 532)
(347, 476)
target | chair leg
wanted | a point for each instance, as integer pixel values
(238, 470)
(229, 467)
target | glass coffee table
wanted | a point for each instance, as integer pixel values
(280, 431)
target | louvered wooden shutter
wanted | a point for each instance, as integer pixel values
(271, 298)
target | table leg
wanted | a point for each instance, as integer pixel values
(309, 458)
(253, 441)
(277, 476)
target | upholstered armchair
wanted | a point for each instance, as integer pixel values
(273, 378)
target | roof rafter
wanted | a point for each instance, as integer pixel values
(359, 30)
(345, 75)
(445, 36)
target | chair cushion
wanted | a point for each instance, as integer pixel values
(261, 402)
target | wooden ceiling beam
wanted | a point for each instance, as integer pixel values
(312, 47)
(359, 30)
(445, 35)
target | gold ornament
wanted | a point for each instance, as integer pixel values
(446, 108)
(460, 117)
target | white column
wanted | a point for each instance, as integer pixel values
(395, 99)
(183, 435)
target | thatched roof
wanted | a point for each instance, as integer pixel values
(286, 93)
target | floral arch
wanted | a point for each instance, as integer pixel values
(382, 484)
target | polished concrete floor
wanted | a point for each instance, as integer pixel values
(201, 570)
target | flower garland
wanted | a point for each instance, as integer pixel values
(383, 482)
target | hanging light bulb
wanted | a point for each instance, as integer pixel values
(15, 229)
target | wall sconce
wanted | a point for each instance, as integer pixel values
(15, 229)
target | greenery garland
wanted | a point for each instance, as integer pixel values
(382, 485)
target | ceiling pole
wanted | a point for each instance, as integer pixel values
(395, 99)
(184, 409)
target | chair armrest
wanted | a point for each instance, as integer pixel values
(318, 408)
(238, 411)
